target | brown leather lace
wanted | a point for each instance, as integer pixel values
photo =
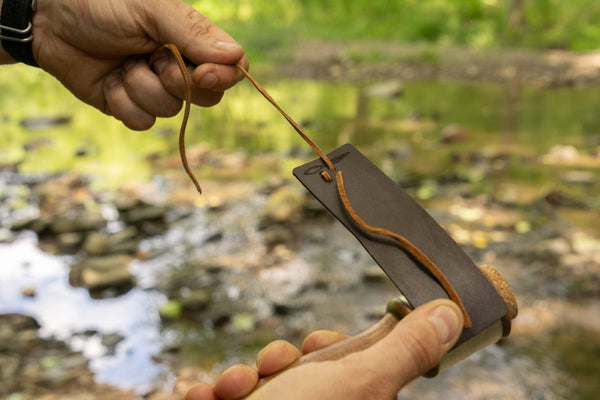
(401, 240)
(406, 245)
(186, 113)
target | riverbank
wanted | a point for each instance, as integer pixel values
(368, 61)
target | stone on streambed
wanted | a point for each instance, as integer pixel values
(145, 212)
(100, 273)
(124, 201)
(58, 186)
(196, 273)
(393, 89)
(149, 219)
(282, 217)
(275, 235)
(374, 274)
(195, 300)
(285, 205)
(35, 365)
(454, 133)
(64, 204)
(559, 198)
(101, 243)
(77, 221)
(110, 341)
(96, 244)
(69, 242)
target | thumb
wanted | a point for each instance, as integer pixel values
(195, 35)
(415, 345)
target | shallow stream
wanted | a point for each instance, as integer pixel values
(483, 159)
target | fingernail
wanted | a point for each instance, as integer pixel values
(160, 64)
(446, 323)
(226, 45)
(208, 81)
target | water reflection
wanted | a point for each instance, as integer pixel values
(519, 122)
(69, 314)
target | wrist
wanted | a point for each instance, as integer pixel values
(5, 58)
(16, 31)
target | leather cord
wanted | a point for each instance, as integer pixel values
(186, 113)
(296, 127)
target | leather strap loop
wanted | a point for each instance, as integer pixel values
(16, 29)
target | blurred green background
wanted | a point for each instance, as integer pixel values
(262, 25)
(269, 31)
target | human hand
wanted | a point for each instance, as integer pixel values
(239, 380)
(99, 50)
(413, 347)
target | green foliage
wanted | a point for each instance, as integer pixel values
(105, 141)
(266, 26)
(557, 24)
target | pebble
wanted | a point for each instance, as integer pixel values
(38, 366)
(393, 89)
(99, 273)
(454, 134)
(196, 300)
(374, 274)
(77, 221)
(284, 206)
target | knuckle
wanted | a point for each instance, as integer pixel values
(171, 108)
(139, 124)
(133, 76)
(423, 348)
(198, 25)
(208, 98)
(172, 80)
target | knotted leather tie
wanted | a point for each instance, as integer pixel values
(404, 243)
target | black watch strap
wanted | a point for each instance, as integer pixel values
(16, 29)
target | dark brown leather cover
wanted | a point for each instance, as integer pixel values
(380, 202)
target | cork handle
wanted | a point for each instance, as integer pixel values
(504, 290)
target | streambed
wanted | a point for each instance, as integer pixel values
(512, 175)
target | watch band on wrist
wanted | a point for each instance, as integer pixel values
(16, 29)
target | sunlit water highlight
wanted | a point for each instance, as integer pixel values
(71, 315)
